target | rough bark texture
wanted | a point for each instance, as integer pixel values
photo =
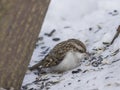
(20, 23)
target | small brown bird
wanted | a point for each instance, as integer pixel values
(64, 56)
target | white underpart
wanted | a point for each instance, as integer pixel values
(71, 60)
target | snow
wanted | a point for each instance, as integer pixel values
(91, 21)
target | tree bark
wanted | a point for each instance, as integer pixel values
(20, 23)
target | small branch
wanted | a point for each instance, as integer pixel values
(116, 61)
(50, 34)
(116, 35)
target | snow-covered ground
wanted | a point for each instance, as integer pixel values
(94, 22)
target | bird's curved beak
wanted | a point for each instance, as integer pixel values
(87, 55)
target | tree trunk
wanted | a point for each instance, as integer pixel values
(20, 23)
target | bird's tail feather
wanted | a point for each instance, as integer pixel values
(36, 66)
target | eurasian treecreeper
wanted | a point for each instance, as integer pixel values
(64, 56)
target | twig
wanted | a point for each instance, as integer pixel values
(116, 61)
(115, 52)
(116, 35)
(50, 34)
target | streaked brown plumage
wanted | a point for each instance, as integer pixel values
(58, 53)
